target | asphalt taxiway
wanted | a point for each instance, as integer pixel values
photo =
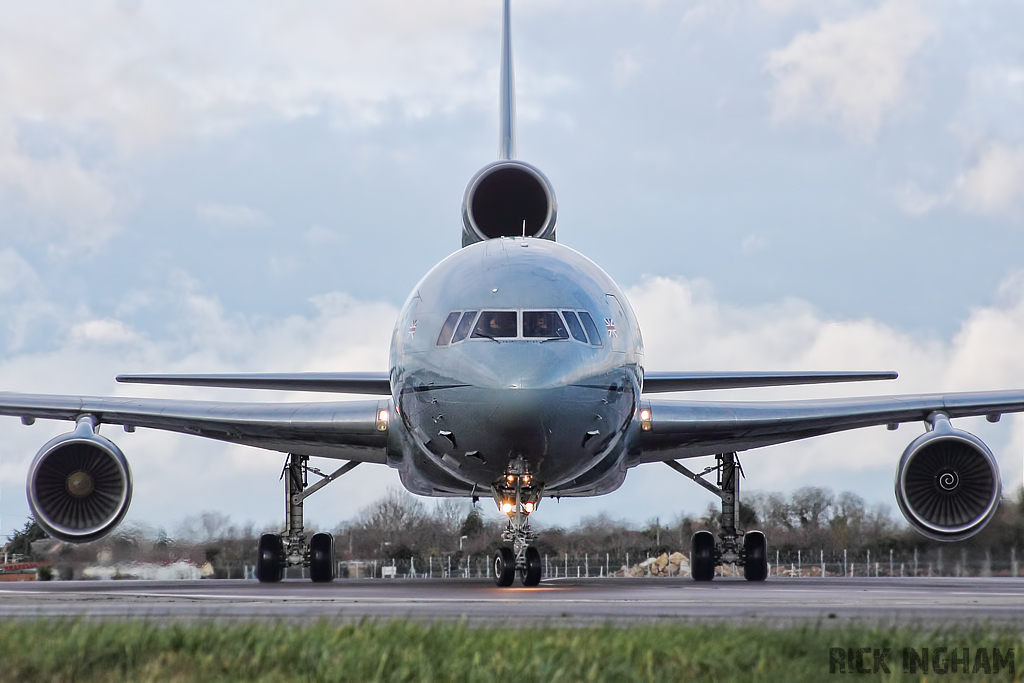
(571, 601)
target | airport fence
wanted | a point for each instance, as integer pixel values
(920, 562)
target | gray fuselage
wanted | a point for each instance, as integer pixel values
(561, 399)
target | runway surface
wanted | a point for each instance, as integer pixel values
(560, 601)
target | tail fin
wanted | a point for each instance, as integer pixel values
(507, 141)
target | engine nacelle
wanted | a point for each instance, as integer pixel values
(947, 483)
(501, 196)
(79, 485)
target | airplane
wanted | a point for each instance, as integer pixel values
(516, 372)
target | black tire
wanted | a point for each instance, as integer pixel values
(702, 556)
(755, 556)
(530, 575)
(269, 559)
(504, 567)
(321, 558)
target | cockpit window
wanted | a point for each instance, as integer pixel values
(448, 328)
(465, 325)
(497, 324)
(543, 324)
(574, 326)
(592, 332)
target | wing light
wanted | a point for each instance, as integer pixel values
(645, 419)
(382, 421)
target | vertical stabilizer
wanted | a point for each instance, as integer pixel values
(507, 140)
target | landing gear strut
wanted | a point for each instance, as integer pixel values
(277, 552)
(735, 546)
(517, 495)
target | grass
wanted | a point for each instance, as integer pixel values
(47, 650)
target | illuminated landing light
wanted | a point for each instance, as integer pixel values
(645, 420)
(507, 508)
(382, 421)
(528, 508)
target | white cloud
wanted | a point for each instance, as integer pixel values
(992, 186)
(852, 72)
(753, 243)
(15, 272)
(687, 328)
(995, 184)
(231, 215)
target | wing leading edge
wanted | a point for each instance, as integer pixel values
(684, 429)
(662, 382)
(348, 430)
(373, 383)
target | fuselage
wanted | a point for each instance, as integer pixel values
(515, 347)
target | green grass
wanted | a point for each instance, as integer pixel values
(47, 650)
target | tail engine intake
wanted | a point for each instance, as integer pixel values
(947, 483)
(79, 485)
(508, 199)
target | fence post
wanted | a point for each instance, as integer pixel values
(890, 563)
(799, 564)
(821, 558)
(607, 567)
(915, 562)
(1013, 561)
(867, 566)
(586, 563)
(845, 572)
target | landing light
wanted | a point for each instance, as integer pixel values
(510, 478)
(382, 421)
(645, 420)
(507, 508)
(528, 507)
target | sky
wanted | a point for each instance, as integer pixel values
(257, 186)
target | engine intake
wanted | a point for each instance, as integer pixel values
(501, 196)
(79, 485)
(947, 483)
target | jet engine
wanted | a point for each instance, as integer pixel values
(79, 485)
(947, 483)
(508, 199)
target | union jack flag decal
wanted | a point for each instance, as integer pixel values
(610, 324)
(412, 328)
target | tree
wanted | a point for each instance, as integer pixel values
(20, 542)
(473, 525)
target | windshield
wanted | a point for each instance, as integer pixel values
(544, 324)
(495, 324)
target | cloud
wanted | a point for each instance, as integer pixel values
(992, 186)
(852, 72)
(995, 184)
(231, 215)
(112, 83)
(686, 328)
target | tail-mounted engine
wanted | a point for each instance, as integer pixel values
(947, 483)
(508, 199)
(79, 485)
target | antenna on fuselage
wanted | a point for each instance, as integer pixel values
(507, 105)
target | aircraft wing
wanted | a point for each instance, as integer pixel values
(375, 383)
(348, 430)
(660, 382)
(685, 429)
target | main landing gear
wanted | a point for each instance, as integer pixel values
(517, 495)
(747, 549)
(277, 552)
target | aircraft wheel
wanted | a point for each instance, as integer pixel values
(530, 576)
(702, 556)
(269, 560)
(321, 558)
(504, 567)
(755, 550)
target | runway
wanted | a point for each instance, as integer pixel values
(560, 601)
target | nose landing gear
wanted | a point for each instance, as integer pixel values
(747, 549)
(277, 552)
(517, 495)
